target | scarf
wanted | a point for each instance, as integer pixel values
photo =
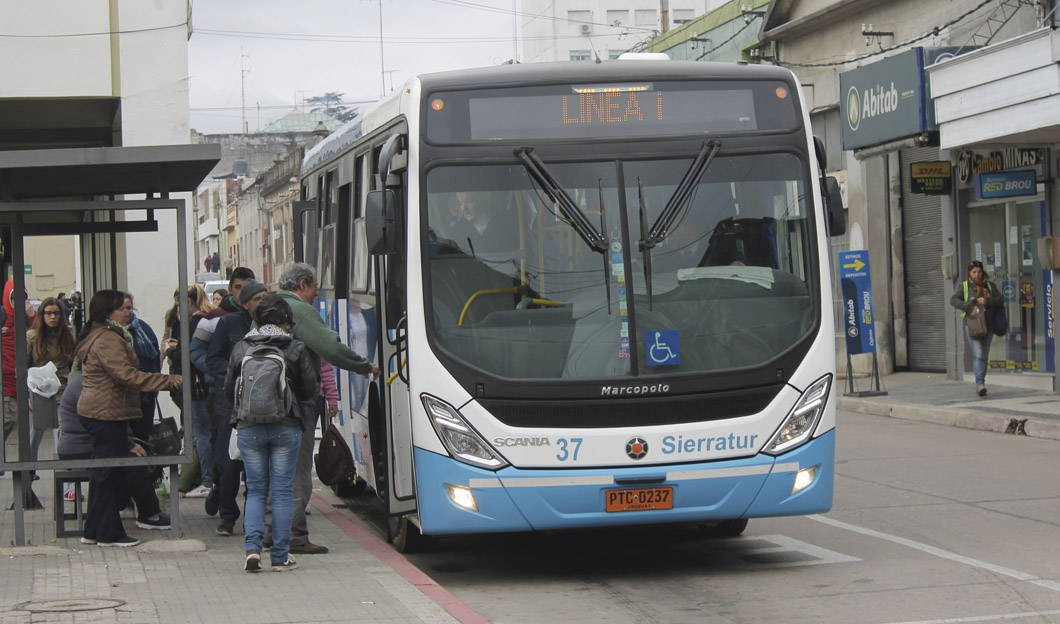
(124, 330)
(146, 349)
(981, 288)
(267, 330)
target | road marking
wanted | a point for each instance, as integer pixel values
(984, 618)
(944, 554)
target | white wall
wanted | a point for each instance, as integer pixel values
(153, 87)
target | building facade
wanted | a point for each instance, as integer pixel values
(864, 69)
(590, 30)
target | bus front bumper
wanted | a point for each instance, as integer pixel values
(514, 499)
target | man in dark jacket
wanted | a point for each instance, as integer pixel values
(298, 287)
(231, 329)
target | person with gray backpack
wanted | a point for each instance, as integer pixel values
(269, 372)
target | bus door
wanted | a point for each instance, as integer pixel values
(392, 424)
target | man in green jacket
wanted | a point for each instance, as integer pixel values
(298, 287)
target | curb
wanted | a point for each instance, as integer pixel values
(964, 419)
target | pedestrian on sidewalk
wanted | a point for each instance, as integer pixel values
(978, 292)
(228, 333)
(106, 406)
(270, 424)
(298, 287)
(75, 443)
(49, 339)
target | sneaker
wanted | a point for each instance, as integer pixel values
(87, 540)
(200, 492)
(71, 496)
(253, 562)
(981, 390)
(225, 528)
(290, 564)
(309, 548)
(161, 523)
(213, 501)
(123, 542)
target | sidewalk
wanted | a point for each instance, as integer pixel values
(931, 397)
(200, 577)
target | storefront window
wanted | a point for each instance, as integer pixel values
(1004, 235)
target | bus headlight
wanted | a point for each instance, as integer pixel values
(802, 419)
(462, 442)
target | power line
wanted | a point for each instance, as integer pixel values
(931, 33)
(96, 34)
(371, 39)
(734, 35)
(484, 7)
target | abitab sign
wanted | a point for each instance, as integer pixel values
(887, 100)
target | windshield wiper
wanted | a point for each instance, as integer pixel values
(570, 210)
(661, 228)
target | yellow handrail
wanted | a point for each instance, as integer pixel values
(390, 379)
(491, 291)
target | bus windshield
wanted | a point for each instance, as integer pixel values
(515, 292)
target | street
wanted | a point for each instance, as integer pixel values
(930, 524)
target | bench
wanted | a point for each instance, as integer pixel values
(76, 476)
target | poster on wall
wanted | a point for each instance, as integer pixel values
(1025, 246)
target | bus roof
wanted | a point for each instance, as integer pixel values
(567, 71)
(521, 74)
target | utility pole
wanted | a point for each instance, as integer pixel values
(382, 66)
(664, 14)
(243, 89)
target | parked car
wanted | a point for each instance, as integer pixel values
(213, 286)
(203, 278)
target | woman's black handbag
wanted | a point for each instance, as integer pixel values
(164, 439)
(1000, 322)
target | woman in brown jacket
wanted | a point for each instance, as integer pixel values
(109, 400)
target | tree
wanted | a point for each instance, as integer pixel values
(331, 103)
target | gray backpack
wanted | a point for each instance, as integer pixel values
(262, 395)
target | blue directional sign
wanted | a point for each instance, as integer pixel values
(856, 286)
(663, 347)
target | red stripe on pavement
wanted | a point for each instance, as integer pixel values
(385, 553)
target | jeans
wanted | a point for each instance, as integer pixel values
(269, 454)
(980, 354)
(200, 422)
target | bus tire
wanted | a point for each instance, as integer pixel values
(406, 536)
(350, 488)
(726, 528)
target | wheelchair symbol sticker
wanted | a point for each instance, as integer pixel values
(663, 347)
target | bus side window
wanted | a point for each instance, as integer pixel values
(360, 260)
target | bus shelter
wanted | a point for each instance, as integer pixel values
(80, 192)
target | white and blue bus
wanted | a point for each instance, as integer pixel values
(599, 293)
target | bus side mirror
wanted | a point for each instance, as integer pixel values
(380, 222)
(833, 201)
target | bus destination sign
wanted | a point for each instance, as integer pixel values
(634, 109)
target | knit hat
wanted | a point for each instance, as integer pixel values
(250, 288)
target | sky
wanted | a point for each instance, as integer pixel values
(292, 50)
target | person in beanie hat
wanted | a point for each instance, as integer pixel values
(250, 288)
(230, 331)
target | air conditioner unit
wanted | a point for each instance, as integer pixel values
(586, 29)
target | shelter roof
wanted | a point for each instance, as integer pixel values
(79, 172)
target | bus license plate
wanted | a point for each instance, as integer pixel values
(640, 499)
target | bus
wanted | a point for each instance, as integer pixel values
(599, 294)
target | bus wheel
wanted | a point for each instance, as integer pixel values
(726, 528)
(350, 488)
(406, 536)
